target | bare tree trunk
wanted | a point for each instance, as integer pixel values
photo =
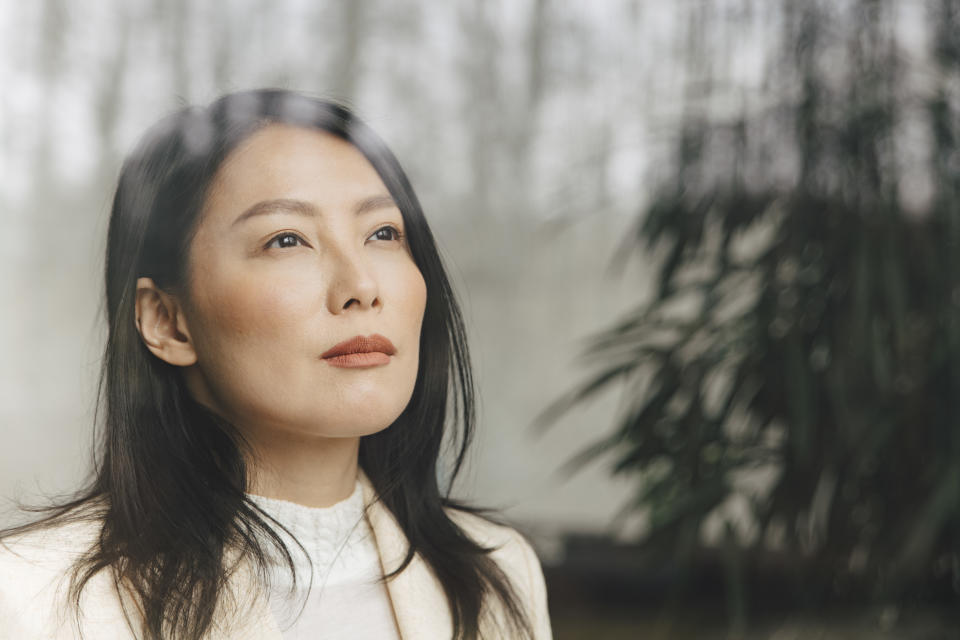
(346, 64)
(482, 110)
(178, 43)
(50, 58)
(524, 121)
(110, 95)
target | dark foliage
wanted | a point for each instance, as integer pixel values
(802, 349)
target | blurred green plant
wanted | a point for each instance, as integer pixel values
(801, 351)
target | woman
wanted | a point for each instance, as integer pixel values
(275, 383)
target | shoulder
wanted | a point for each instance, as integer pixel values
(35, 577)
(508, 543)
(514, 554)
(50, 544)
(36, 557)
(59, 542)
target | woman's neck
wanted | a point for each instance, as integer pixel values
(316, 472)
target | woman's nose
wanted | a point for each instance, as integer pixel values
(352, 281)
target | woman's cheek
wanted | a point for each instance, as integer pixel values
(254, 307)
(418, 298)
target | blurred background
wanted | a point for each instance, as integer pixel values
(708, 253)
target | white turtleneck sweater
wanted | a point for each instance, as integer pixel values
(343, 600)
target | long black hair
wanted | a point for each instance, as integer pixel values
(170, 476)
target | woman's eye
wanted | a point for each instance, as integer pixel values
(392, 233)
(284, 240)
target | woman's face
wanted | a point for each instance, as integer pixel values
(300, 247)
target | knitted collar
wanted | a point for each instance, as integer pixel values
(322, 531)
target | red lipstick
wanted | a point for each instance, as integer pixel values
(360, 351)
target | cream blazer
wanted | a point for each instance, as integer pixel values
(33, 583)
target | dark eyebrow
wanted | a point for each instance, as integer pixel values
(374, 202)
(304, 208)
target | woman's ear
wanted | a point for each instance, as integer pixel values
(162, 324)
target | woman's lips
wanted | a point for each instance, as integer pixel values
(362, 359)
(361, 351)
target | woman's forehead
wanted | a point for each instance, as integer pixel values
(284, 161)
(281, 148)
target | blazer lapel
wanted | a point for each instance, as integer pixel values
(419, 602)
(248, 617)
